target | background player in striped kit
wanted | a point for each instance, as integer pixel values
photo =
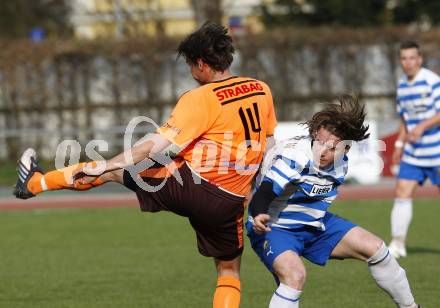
(417, 148)
(288, 212)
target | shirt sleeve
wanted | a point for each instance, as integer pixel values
(193, 115)
(286, 168)
(262, 199)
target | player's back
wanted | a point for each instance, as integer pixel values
(230, 122)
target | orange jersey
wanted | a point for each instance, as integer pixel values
(222, 128)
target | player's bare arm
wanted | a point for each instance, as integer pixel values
(400, 142)
(149, 146)
(418, 131)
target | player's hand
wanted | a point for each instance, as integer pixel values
(260, 223)
(87, 174)
(416, 133)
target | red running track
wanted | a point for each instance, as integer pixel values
(354, 192)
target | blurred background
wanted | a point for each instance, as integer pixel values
(82, 69)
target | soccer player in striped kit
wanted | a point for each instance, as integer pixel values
(417, 148)
(289, 215)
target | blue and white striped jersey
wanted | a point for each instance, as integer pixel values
(416, 102)
(304, 191)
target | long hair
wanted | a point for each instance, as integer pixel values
(344, 119)
(211, 43)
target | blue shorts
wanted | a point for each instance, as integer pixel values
(419, 174)
(313, 244)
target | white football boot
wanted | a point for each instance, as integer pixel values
(397, 249)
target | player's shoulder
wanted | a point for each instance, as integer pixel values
(235, 81)
(201, 94)
(264, 84)
(402, 82)
(296, 148)
(288, 150)
(296, 142)
(430, 77)
(200, 90)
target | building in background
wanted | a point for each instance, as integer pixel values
(93, 19)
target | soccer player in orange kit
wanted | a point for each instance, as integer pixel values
(218, 133)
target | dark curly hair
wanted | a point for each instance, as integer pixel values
(211, 43)
(344, 119)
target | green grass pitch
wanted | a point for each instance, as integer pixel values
(124, 258)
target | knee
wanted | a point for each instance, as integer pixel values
(296, 279)
(377, 251)
(293, 277)
(377, 246)
(403, 191)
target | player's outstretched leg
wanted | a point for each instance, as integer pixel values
(361, 244)
(27, 168)
(32, 180)
(391, 277)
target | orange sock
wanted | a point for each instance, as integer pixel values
(227, 293)
(59, 179)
